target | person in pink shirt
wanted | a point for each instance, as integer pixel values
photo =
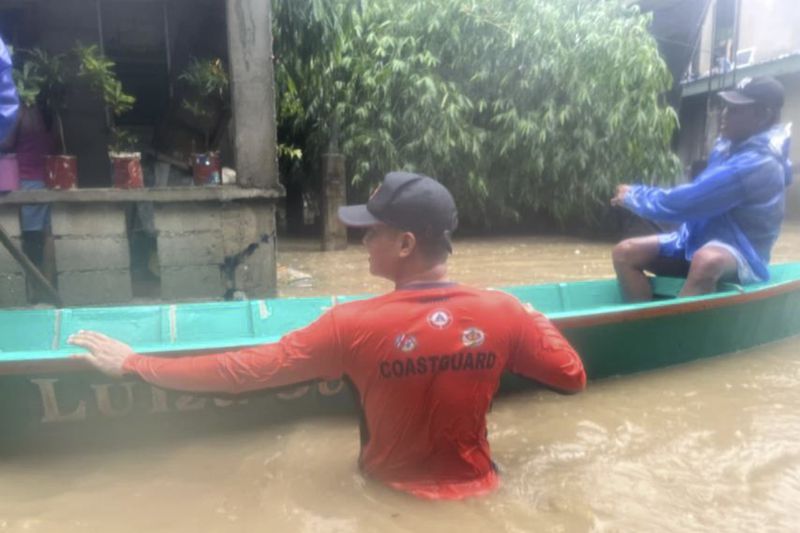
(32, 142)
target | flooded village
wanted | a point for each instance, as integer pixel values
(188, 197)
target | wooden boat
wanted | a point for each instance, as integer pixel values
(42, 389)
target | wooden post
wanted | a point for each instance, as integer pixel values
(253, 92)
(334, 194)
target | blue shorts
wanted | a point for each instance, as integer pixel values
(34, 217)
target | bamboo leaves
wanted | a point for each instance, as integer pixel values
(517, 105)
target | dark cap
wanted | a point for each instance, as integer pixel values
(763, 90)
(410, 202)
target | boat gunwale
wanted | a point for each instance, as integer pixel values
(673, 307)
(564, 320)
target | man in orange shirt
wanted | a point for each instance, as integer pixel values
(426, 358)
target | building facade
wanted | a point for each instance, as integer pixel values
(740, 39)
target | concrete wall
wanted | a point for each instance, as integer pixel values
(768, 26)
(791, 113)
(704, 54)
(92, 254)
(207, 250)
(12, 278)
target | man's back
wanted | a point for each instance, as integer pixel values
(426, 364)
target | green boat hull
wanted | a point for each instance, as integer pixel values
(44, 393)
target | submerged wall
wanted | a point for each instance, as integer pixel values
(207, 243)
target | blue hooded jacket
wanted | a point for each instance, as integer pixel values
(738, 200)
(9, 102)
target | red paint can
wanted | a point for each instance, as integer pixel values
(206, 169)
(9, 172)
(62, 171)
(127, 171)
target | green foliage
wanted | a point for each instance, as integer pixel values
(518, 106)
(308, 42)
(207, 81)
(98, 71)
(208, 78)
(29, 83)
(53, 88)
(42, 79)
(52, 69)
(289, 152)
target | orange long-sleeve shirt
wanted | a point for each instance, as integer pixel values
(426, 363)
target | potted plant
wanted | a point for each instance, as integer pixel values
(207, 83)
(62, 168)
(98, 70)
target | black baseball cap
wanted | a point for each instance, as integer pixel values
(409, 202)
(763, 90)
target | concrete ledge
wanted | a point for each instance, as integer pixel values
(225, 193)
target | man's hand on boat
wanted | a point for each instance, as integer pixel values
(619, 198)
(105, 354)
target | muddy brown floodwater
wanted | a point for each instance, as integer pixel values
(709, 446)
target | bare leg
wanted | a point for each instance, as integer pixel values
(709, 265)
(631, 257)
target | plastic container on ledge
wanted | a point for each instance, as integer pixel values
(127, 170)
(9, 173)
(62, 171)
(206, 169)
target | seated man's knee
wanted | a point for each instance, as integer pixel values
(623, 252)
(631, 252)
(711, 264)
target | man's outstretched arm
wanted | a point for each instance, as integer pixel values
(716, 191)
(303, 355)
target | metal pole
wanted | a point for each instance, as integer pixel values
(100, 39)
(168, 51)
(710, 74)
(99, 10)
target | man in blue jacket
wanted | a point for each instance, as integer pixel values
(9, 102)
(730, 215)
